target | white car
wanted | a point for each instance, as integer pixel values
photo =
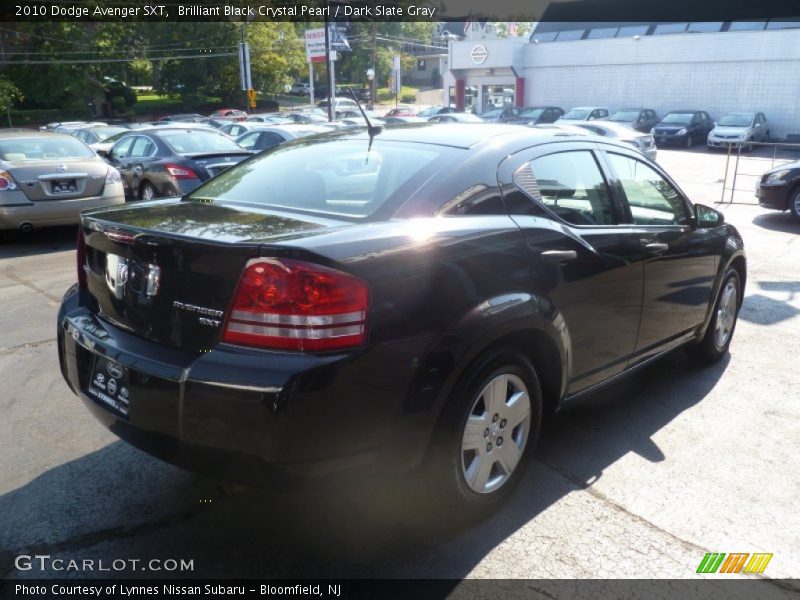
(643, 142)
(300, 89)
(580, 114)
(737, 129)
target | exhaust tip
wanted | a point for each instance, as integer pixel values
(26, 227)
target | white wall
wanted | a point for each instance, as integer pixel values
(716, 72)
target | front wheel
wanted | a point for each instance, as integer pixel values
(794, 203)
(717, 339)
(689, 141)
(489, 428)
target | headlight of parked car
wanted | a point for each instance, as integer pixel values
(681, 132)
(777, 176)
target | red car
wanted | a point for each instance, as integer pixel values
(401, 111)
(229, 113)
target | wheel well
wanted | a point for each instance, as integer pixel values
(544, 355)
(741, 267)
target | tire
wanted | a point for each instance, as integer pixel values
(794, 203)
(689, 141)
(468, 482)
(718, 336)
(147, 191)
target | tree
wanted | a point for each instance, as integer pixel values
(8, 94)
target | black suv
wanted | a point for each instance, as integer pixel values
(683, 127)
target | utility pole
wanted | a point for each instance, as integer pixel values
(373, 84)
(328, 63)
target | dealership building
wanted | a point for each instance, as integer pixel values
(717, 67)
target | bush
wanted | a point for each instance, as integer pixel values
(118, 104)
(267, 106)
(23, 118)
(408, 99)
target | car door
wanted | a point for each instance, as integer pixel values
(707, 124)
(249, 140)
(140, 158)
(583, 258)
(118, 157)
(267, 140)
(680, 258)
(761, 128)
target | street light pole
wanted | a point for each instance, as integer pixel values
(328, 63)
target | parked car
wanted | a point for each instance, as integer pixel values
(456, 117)
(263, 137)
(182, 117)
(356, 114)
(49, 178)
(313, 294)
(401, 111)
(435, 110)
(301, 89)
(172, 161)
(306, 117)
(584, 113)
(739, 129)
(403, 120)
(643, 142)
(274, 118)
(228, 113)
(98, 137)
(500, 115)
(683, 127)
(534, 115)
(238, 128)
(640, 119)
(339, 105)
(779, 188)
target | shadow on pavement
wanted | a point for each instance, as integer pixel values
(118, 502)
(778, 221)
(40, 241)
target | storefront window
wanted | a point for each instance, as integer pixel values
(497, 96)
(470, 97)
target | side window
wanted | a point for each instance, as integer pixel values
(571, 185)
(652, 200)
(249, 140)
(142, 147)
(269, 139)
(476, 200)
(121, 148)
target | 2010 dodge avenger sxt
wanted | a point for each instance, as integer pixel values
(415, 300)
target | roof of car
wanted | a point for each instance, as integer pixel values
(34, 133)
(685, 110)
(460, 135)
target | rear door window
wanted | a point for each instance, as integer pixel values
(572, 186)
(122, 147)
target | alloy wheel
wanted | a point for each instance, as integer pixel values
(495, 433)
(796, 204)
(148, 192)
(726, 314)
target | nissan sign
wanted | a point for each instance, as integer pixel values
(479, 54)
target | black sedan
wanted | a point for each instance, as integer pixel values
(536, 115)
(171, 160)
(413, 302)
(779, 188)
(640, 119)
(683, 127)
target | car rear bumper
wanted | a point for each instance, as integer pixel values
(19, 210)
(774, 197)
(243, 415)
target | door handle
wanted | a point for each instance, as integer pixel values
(656, 247)
(553, 257)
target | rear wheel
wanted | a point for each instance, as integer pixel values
(488, 430)
(794, 203)
(717, 339)
(147, 191)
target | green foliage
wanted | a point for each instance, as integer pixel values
(118, 104)
(8, 94)
(408, 98)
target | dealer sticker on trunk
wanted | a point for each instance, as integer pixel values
(109, 386)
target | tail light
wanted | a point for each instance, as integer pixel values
(180, 172)
(81, 258)
(7, 183)
(293, 305)
(113, 176)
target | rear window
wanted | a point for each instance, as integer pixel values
(335, 176)
(44, 148)
(577, 114)
(197, 141)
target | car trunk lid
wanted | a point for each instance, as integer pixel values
(212, 165)
(169, 273)
(64, 179)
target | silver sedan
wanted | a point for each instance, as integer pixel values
(49, 178)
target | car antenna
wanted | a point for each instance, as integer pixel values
(372, 130)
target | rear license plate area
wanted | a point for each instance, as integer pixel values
(63, 186)
(109, 386)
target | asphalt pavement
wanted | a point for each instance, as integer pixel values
(639, 481)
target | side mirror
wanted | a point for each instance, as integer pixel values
(102, 154)
(705, 216)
